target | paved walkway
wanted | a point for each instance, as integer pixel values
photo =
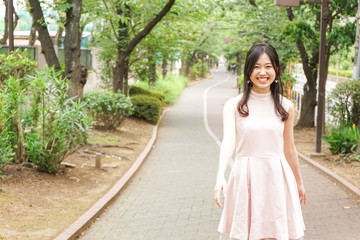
(171, 196)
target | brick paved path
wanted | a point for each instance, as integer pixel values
(171, 196)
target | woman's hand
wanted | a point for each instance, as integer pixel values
(220, 185)
(302, 193)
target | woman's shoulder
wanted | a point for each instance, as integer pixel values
(286, 103)
(235, 100)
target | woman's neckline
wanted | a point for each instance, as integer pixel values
(260, 96)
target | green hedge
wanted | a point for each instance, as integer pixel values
(147, 107)
(171, 86)
(108, 109)
(134, 90)
(341, 73)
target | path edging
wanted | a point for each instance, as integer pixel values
(90, 215)
(333, 175)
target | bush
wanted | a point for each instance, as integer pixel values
(6, 150)
(56, 124)
(344, 103)
(147, 107)
(342, 73)
(108, 109)
(343, 140)
(134, 90)
(16, 65)
(171, 86)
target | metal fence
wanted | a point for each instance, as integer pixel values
(85, 58)
(31, 51)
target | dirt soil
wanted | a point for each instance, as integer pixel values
(37, 205)
(305, 142)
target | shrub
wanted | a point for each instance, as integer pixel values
(344, 103)
(134, 90)
(171, 86)
(108, 109)
(343, 140)
(6, 150)
(147, 107)
(16, 65)
(342, 73)
(57, 124)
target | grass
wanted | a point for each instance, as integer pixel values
(171, 86)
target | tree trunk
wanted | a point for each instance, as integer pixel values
(123, 41)
(307, 113)
(119, 72)
(58, 37)
(6, 24)
(32, 37)
(239, 59)
(164, 66)
(187, 67)
(152, 67)
(72, 50)
(44, 36)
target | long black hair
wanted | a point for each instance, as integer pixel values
(276, 87)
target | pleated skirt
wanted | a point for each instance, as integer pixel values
(261, 201)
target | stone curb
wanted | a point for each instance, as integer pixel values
(85, 220)
(333, 175)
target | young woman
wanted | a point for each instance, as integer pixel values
(264, 191)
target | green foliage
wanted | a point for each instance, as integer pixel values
(147, 107)
(57, 124)
(240, 80)
(343, 103)
(6, 149)
(134, 90)
(344, 139)
(199, 69)
(171, 86)
(16, 64)
(342, 73)
(285, 78)
(108, 109)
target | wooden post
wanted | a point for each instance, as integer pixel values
(98, 160)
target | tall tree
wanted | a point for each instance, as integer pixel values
(305, 34)
(127, 45)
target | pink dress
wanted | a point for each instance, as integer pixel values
(262, 199)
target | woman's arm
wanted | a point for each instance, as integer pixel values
(291, 153)
(226, 150)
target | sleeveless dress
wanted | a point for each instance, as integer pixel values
(262, 199)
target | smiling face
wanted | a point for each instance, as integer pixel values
(263, 74)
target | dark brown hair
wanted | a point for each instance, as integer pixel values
(276, 88)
